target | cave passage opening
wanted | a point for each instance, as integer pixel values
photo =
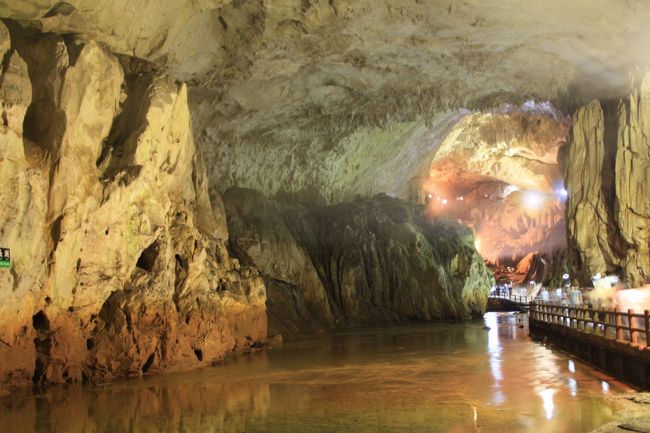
(498, 173)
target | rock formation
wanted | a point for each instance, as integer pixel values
(112, 209)
(606, 167)
(285, 83)
(378, 260)
(119, 264)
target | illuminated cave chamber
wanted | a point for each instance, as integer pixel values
(157, 175)
(498, 174)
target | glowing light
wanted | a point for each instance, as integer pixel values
(461, 198)
(444, 201)
(572, 366)
(532, 282)
(565, 276)
(547, 399)
(533, 200)
(562, 194)
(605, 387)
(430, 195)
(573, 387)
(477, 244)
(495, 353)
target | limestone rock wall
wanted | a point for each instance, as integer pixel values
(606, 168)
(458, 150)
(373, 261)
(276, 87)
(119, 260)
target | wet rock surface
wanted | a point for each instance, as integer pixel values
(606, 166)
(119, 264)
(634, 415)
(373, 261)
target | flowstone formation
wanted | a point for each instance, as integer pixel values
(606, 167)
(120, 265)
(372, 261)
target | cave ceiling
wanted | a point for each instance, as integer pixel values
(307, 78)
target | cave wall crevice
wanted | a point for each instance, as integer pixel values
(129, 270)
(606, 165)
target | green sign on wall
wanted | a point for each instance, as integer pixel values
(5, 258)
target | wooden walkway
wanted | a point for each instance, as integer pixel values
(614, 341)
(508, 302)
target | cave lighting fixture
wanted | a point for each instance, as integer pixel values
(562, 194)
(533, 200)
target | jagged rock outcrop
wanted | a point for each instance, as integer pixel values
(278, 86)
(119, 263)
(507, 230)
(517, 146)
(373, 261)
(459, 151)
(606, 166)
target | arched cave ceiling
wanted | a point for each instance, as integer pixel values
(333, 93)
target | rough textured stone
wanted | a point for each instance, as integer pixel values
(632, 210)
(324, 80)
(607, 229)
(378, 260)
(606, 167)
(458, 152)
(119, 265)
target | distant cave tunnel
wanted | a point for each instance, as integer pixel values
(498, 174)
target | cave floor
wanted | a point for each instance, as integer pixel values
(412, 378)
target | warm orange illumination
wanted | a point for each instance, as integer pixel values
(533, 200)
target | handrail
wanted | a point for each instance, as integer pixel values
(629, 327)
(510, 297)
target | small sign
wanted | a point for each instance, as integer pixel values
(5, 258)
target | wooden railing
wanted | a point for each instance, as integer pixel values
(625, 327)
(510, 297)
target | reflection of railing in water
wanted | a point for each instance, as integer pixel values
(628, 327)
(615, 341)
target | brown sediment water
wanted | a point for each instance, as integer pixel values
(457, 377)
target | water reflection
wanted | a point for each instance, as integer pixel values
(494, 350)
(572, 366)
(605, 387)
(573, 386)
(420, 378)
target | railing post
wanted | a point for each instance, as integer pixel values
(646, 319)
(634, 337)
(619, 325)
